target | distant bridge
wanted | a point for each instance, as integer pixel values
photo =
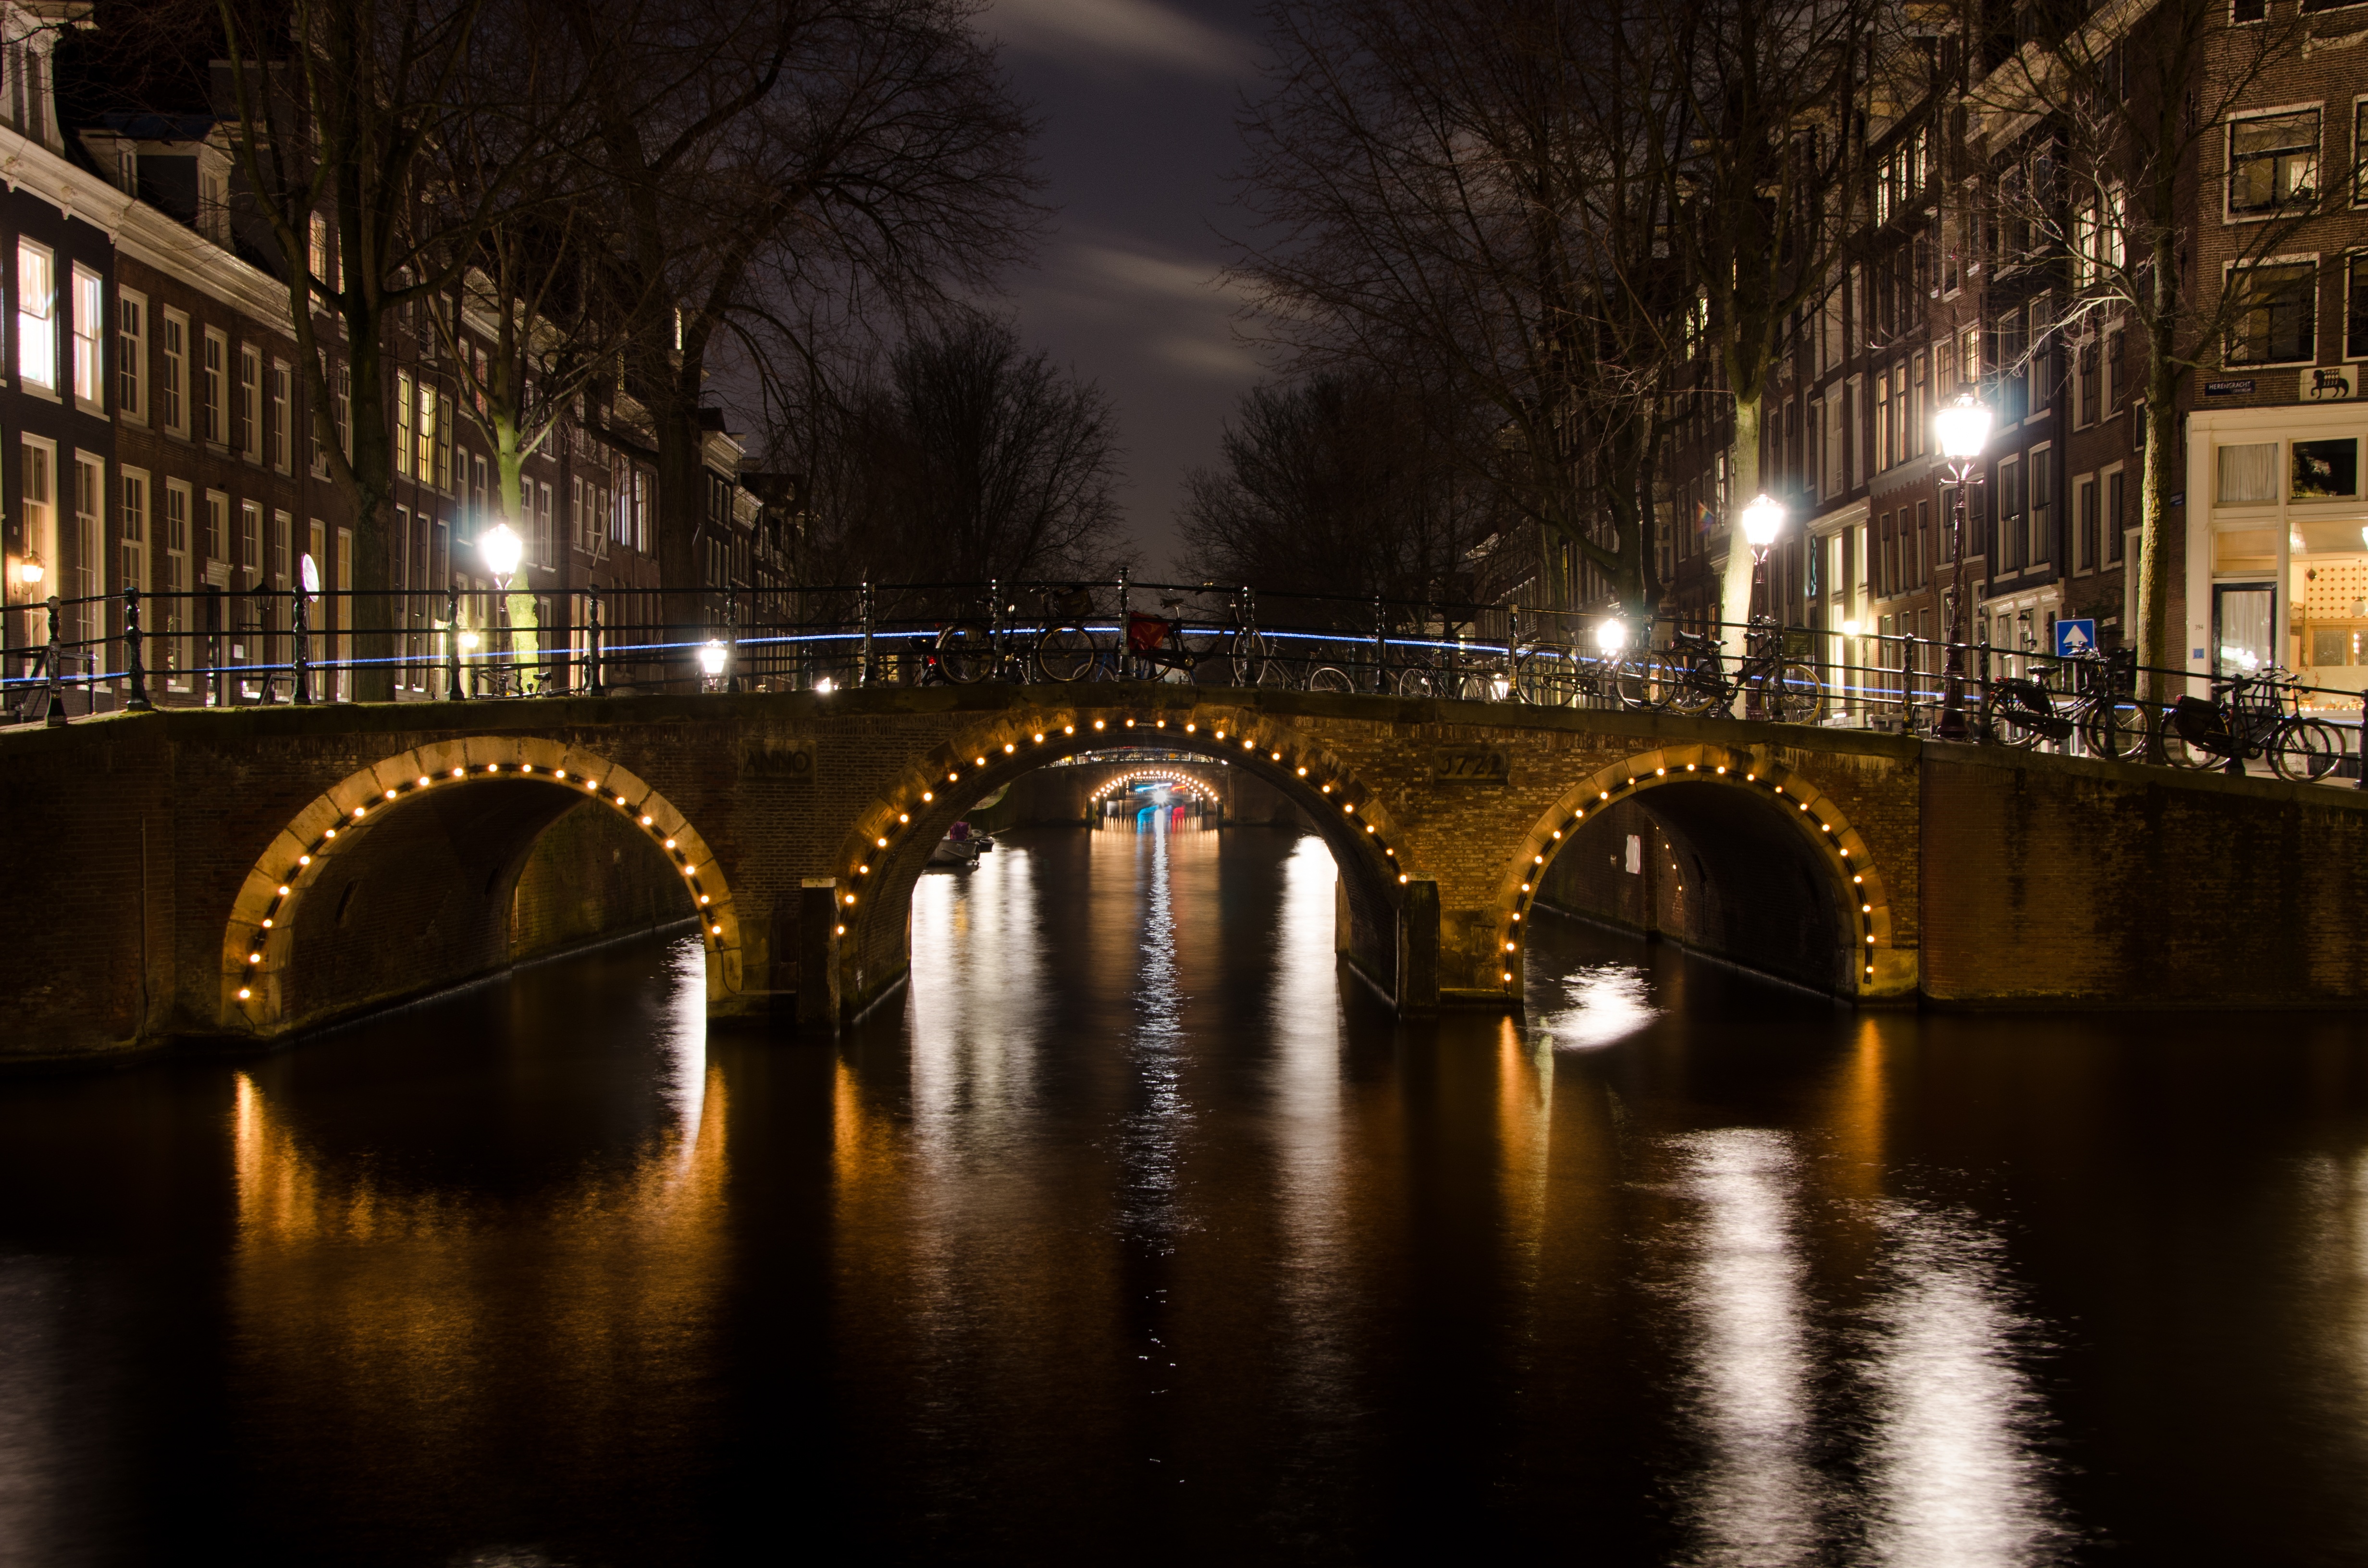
(243, 874)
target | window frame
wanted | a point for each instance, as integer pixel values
(87, 287)
(213, 374)
(2231, 270)
(281, 406)
(35, 327)
(2230, 212)
(249, 412)
(132, 357)
(174, 379)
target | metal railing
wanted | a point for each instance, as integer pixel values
(221, 647)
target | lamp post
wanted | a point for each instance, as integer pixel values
(712, 659)
(1961, 429)
(501, 549)
(1763, 520)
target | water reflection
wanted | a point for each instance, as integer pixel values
(1598, 1006)
(1955, 1470)
(1133, 1230)
(1756, 1499)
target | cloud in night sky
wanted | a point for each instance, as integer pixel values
(1138, 99)
(1101, 33)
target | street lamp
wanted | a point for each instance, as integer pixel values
(1763, 520)
(501, 549)
(1962, 428)
(1611, 637)
(711, 659)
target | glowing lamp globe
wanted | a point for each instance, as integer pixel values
(1761, 520)
(1611, 636)
(502, 550)
(711, 656)
(1962, 428)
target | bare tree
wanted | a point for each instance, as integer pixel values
(2140, 94)
(350, 110)
(1762, 172)
(969, 458)
(1346, 483)
(760, 158)
(1479, 191)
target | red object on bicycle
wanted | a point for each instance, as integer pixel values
(1144, 633)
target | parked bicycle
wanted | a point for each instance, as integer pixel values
(1214, 655)
(2102, 708)
(2247, 716)
(1689, 676)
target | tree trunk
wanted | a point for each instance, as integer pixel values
(2155, 647)
(1735, 603)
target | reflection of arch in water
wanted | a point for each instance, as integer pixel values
(878, 864)
(1785, 882)
(482, 802)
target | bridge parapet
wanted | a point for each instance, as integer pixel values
(1876, 868)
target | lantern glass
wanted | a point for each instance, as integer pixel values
(1761, 520)
(1962, 428)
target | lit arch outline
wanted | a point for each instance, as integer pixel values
(259, 943)
(1820, 818)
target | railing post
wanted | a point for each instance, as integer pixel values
(995, 626)
(452, 644)
(1381, 648)
(731, 640)
(137, 702)
(303, 661)
(54, 713)
(863, 662)
(592, 645)
(1125, 613)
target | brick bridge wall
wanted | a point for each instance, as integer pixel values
(150, 850)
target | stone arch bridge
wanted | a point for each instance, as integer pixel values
(248, 875)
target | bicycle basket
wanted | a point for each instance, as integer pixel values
(1073, 603)
(1144, 633)
(2200, 726)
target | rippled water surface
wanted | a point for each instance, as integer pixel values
(1136, 1230)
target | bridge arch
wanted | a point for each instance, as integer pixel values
(1692, 793)
(519, 786)
(882, 857)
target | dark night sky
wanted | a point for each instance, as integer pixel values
(1138, 99)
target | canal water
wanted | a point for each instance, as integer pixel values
(1134, 1231)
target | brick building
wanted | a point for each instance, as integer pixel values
(1963, 278)
(158, 438)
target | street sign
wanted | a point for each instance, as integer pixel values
(2074, 638)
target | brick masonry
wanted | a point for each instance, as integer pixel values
(150, 848)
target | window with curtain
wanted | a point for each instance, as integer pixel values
(37, 316)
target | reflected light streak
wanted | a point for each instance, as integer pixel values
(1756, 1501)
(1602, 1006)
(1954, 1476)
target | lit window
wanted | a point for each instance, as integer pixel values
(37, 316)
(2272, 162)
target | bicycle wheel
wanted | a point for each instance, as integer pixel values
(965, 651)
(2009, 719)
(1791, 694)
(1328, 677)
(1688, 689)
(1637, 681)
(2304, 750)
(1417, 680)
(1065, 653)
(2115, 728)
(1537, 679)
(1245, 659)
(1278, 674)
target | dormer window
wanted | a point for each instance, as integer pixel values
(127, 168)
(213, 204)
